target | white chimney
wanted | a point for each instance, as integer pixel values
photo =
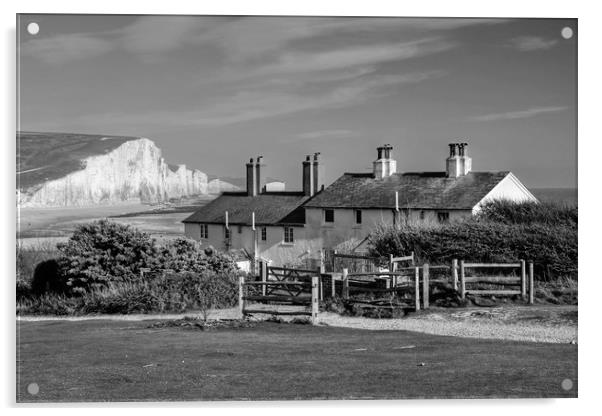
(458, 163)
(384, 166)
(465, 160)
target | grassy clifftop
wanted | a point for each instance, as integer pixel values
(46, 156)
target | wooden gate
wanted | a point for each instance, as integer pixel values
(281, 286)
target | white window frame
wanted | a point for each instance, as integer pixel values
(289, 235)
(204, 231)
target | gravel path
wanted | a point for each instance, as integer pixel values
(556, 324)
(550, 324)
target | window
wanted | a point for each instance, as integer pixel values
(240, 229)
(421, 215)
(329, 215)
(288, 235)
(358, 216)
(204, 231)
(443, 216)
(226, 233)
(264, 233)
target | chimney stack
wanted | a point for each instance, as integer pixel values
(317, 169)
(384, 166)
(308, 177)
(258, 185)
(251, 179)
(458, 163)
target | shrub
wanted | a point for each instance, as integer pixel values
(552, 248)
(104, 251)
(28, 257)
(509, 212)
(186, 255)
(48, 278)
(169, 293)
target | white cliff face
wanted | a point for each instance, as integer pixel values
(134, 171)
(217, 186)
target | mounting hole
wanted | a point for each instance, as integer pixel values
(33, 389)
(566, 32)
(567, 384)
(33, 28)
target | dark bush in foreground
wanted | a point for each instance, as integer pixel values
(552, 248)
(170, 293)
(47, 278)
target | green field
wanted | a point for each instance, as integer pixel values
(129, 361)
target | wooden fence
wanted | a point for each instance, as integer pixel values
(282, 286)
(399, 284)
(518, 282)
(405, 286)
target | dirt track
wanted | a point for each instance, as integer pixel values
(551, 324)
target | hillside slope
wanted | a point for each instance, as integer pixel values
(58, 169)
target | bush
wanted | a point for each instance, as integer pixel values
(509, 212)
(552, 248)
(185, 255)
(28, 257)
(169, 293)
(48, 278)
(102, 252)
(105, 252)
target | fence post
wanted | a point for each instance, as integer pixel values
(392, 269)
(314, 299)
(417, 287)
(345, 284)
(334, 260)
(531, 284)
(523, 279)
(454, 270)
(241, 299)
(333, 292)
(264, 276)
(320, 285)
(425, 285)
(462, 280)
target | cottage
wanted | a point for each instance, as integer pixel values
(288, 227)
(265, 224)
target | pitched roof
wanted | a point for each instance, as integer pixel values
(269, 207)
(419, 190)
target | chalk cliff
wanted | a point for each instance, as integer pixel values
(129, 170)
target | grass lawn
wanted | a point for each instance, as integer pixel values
(127, 361)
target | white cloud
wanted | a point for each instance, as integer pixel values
(66, 48)
(255, 104)
(532, 43)
(325, 134)
(512, 115)
(293, 62)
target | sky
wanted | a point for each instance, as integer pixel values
(214, 91)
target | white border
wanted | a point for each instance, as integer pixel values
(590, 153)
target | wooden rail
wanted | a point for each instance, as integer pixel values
(313, 301)
(520, 281)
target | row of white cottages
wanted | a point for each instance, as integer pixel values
(287, 228)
